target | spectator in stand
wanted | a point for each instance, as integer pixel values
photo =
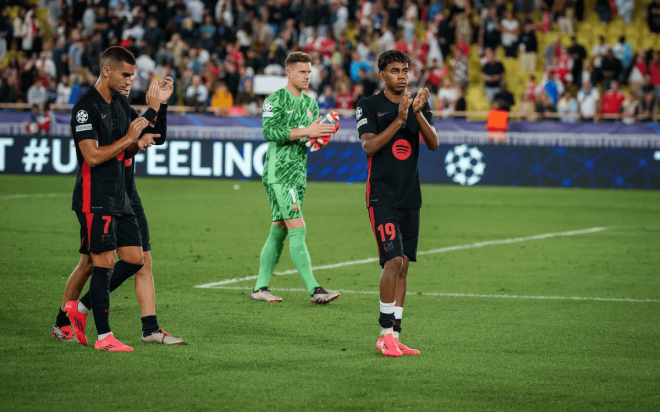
(631, 109)
(10, 93)
(369, 85)
(588, 73)
(567, 107)
(222, 98)
(552, 87)
(36, 94)
(442, 29)
(624, 52)
(611, 69)
(492, 73)
(356, 65)
(612, 102)
(530, 88)
(326, 100)
(248, 99)
(625, 8)
(447, 98)
(4, 88)
(510, 32)
(562, 66)
(527, 108)
(344, 98)
(51, 91)
(639, 72)
(433, 77)
(196, 94)
(357, 94)
(564, 12)
(461, 45)
(528, 48)
(32, 123)
(545, 107)
(577, 53)
(653, 16)
(654, 70)
(588, 98)
(603, 9)
(459, 65)
(490, 31)
(551, 52)
(63, 91)
(599, 51)
(410, 17)
(647, 100)
(504, 100)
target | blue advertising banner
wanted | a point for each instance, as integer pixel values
(457, 164)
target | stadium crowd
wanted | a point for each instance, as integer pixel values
(214, 48)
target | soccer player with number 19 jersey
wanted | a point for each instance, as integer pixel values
(389, 125)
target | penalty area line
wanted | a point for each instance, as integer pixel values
(427, 252)
(465, 295)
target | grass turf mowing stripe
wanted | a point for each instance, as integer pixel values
(33, 195)
(461, 295)
(427, 252)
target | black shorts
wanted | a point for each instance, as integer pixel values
(144, 230)
(396, 231)
(102, 233)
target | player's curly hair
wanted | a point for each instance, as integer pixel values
(116, 55)
(392, 56)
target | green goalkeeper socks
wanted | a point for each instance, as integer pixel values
(270, 255)
(300, 257)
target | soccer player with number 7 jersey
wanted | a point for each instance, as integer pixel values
(389, 125)
(290, 120)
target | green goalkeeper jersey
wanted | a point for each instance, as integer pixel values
(286, 160)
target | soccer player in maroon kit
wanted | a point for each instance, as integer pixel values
(103, 132)
(389, 125)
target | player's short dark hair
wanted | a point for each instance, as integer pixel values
(117, 55)
(392, 56)
(297, 57)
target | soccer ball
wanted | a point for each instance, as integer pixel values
(464, 165)
(33, 128)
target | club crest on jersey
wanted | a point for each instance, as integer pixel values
(295, 207)
(309, 113)
(268, 106)
(81, 116)
(358, 113)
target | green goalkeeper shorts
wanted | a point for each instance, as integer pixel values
(285, 202)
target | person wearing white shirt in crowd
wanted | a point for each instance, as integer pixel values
(387, 39)
(599, 50)
(63, 91)
(88, 20)
(196, 9)
(410, 17)
(37, 93)
(136, 32)
(588, 98)
(145, 63)
(339, 13)
(197, 94)
(626, 8)
(47, 64)
(447, 97)
(226, 14)
(510, 32)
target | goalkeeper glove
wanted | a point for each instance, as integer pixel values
(317, 143)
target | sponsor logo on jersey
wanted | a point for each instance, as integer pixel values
(382, 114)
(401, 149)
(81, 116)
(358, 113)
(83, 127)
(362, 122)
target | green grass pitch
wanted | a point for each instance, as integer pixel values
(484, 352)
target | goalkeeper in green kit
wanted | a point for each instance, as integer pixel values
(290, 119)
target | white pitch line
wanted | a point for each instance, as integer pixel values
(427, 252)
(466, 295)
(35, 195)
